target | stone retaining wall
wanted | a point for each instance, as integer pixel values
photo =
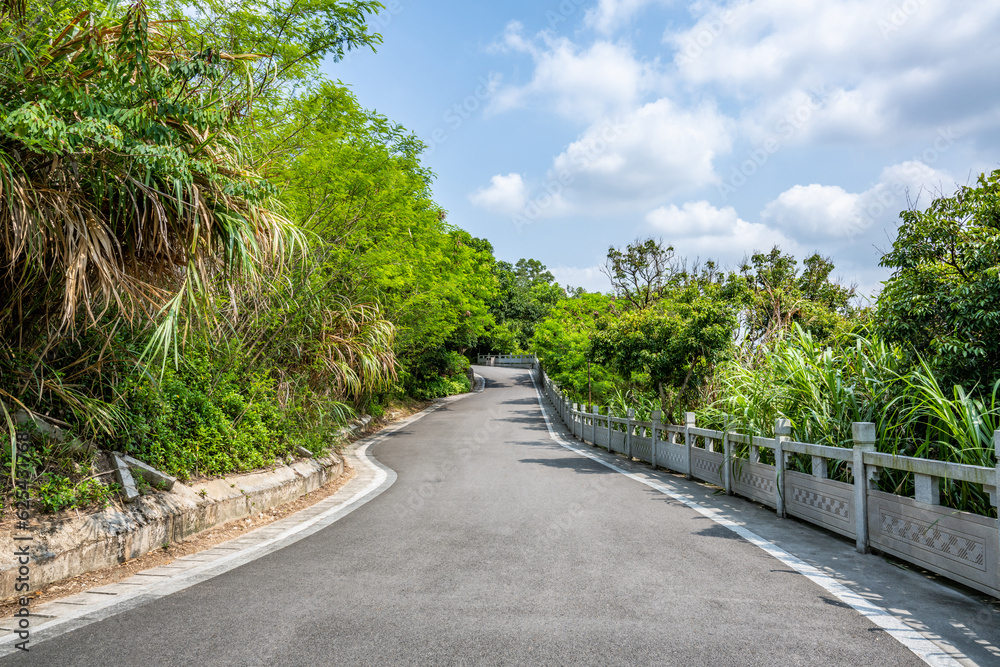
(66, 548)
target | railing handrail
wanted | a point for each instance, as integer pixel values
(852, 508)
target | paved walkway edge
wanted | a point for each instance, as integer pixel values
(57, 617)
(923, 648)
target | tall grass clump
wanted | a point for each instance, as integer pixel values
(823, 388)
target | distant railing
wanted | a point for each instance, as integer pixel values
(507, 360)
(962, 546)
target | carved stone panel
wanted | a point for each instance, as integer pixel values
(618, 441)
(670, 456)
(642, 448)
(959, 545)
(754, 481)
(825, 502)
(707, 465)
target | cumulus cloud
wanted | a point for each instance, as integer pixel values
(898, 66)
(609, 15)
(693, 219)
(505, 194)
(852, 227)
(698, 229)
(578, 83)
(820, 213)
(653, 152)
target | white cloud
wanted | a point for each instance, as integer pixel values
(699, 230)
(894, 65)
(697, 218)
(651, 153)
(577, 83)
(610, 15)
(505, 194)
(820, 213)
(852, 227)
(815, 211)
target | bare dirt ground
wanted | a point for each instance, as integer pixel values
(211, 537)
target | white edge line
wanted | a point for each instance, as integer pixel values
(923, 648)
(384, 478)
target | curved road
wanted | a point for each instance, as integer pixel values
(495, 545)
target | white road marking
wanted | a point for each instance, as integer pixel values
(112, 604)
(923, 648)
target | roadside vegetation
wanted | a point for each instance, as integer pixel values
(212, 255)
(777, 338)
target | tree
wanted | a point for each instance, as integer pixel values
(670, 348)
(776, 296)
(942, 301)
(641, 273)
(291, 39)
(125, 188)
(527, 292)
(356, 183)
(562, 342)
(531, 271)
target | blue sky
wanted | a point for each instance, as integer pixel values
(557, 128)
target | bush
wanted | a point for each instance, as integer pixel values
(437, 373)
(206, 420)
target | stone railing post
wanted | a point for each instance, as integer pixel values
(594, 411)
(782, 433)
(819, 470)
(864, 441)
(575, 415)
(689, 423)
(727, 462)
(927, 489)
(994, 491)
(609, 430)
(655, 417)
(628, 433)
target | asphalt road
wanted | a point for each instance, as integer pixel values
(495, 546)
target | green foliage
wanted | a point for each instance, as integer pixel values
(562, 343)
(777, 296)
(59, 476)
(291, 38)
(670, 348)
(205, 420)
(441, 386)
(526, 293)
(124, 186)
(132, 172)
(823, 388)
(642, 272)
(356, 182)
(943, 299)
(56, 492)
(438, 373)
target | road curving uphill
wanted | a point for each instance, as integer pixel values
(496, 544)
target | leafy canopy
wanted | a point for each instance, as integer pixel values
(123, 183)
(673, 347)
(562, 342)
(943, 298)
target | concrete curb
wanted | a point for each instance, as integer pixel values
(57, 617)
(66, 548)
